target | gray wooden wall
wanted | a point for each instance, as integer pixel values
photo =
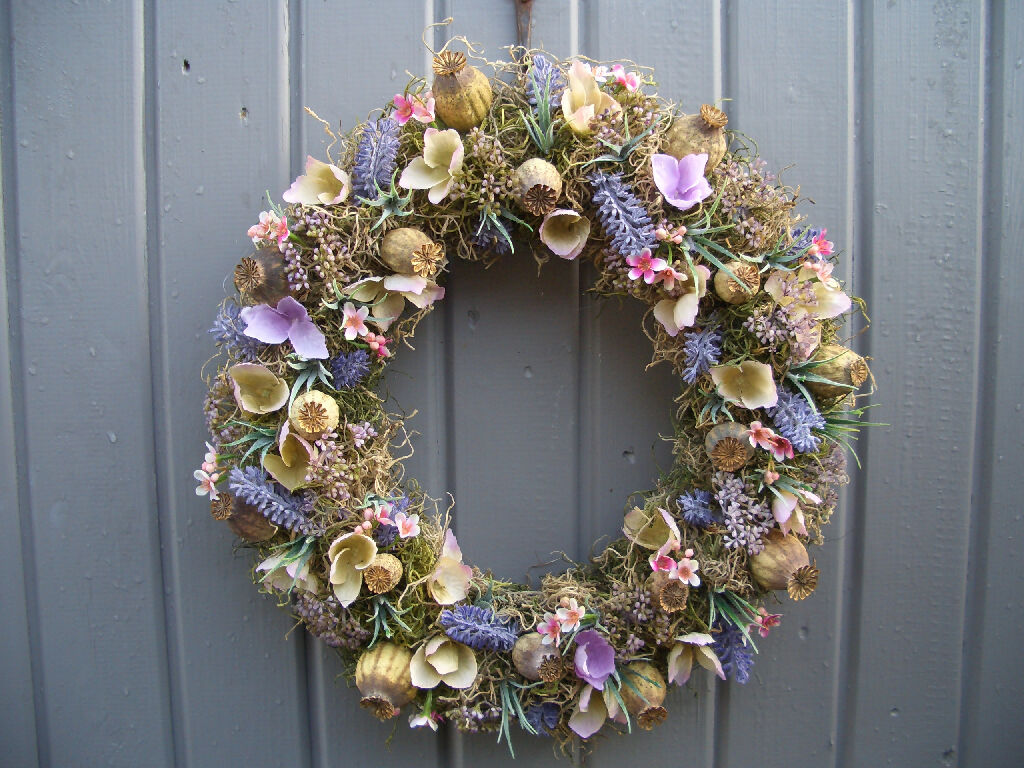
(137, 139)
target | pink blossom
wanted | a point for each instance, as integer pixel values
(765, 621)
(644, 265)
(770, 477)
(781, 449)
(550, 629)
(600, 72)
(820, 246)
(627, 80)
(413, 107)
(207, 483)
(820, 267)
(686, 569)
(378, 344)
(408, 525)
(663, 233)
(668, 277)
(570, 614)
(765, 437)
(271, 227)
(661, 562)
(353, 323)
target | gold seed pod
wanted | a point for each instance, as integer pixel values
(694, 134)
(844, 366)
(803, 582)
(782, 557)
(248, 523)
(729, 290)
(536, 661)
(382, 676)
(538, 186)
(728, 446)
(313, 413)
(220, 508)
(670, 595)
(383, 573)
(399, 246)
(261, 278)
(462, 93)
(646, 700)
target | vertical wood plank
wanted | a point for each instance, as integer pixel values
(78, 119)
(18, 731)
(221, 140)
(780, 107)
(920, 219)
(995, 612)
(352, 62)
(626, 408)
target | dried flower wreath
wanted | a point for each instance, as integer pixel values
(671, 209)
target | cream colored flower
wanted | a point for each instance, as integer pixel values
(692, 646)
(450, 580)
(592, 709)
(829, 298)
(750, 383)
(565, 233)
(678, 313)
(441, 660)
(387, 295)
(290, 467)
(583, 100)
(257, 390)
(442, 159)
(322, 184)
(350, 554)
(649, 529)
(284, 576)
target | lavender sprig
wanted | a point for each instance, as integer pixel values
(623, 217)
(375, 158)
(253, 486)
(478, 628)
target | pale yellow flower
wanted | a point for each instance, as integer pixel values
(435, 170)
(583, 100)
(350, 554)
(257, 390)
(440, 660)
(750, 384)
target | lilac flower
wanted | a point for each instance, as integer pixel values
(350, 368)
(794, 419)
(682, 182)
(543, 717)
(595, 658)
(623, 217)
(253, 486)
(478, 628)
(227, 333)
(289, 321)
(703, 349)
(696, 508)
(731, 648)
(746, 518)
(375, 158)
(544, 75)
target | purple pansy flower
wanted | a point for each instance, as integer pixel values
(289, 321)
(595, 658)
(682, 182)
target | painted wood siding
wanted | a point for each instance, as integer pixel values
(137, 140)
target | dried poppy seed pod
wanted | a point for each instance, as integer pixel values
(261, 278)
(843, 366)
(643, 691)
(399, 246)
(730, 291)
(774, 566)
(700, 133)
(668, 594)
(248, 523)
(382, 676)
(383, 573)
(536, 661)
(313, 413)
(538, 186)
(462, 93)
(728, 446)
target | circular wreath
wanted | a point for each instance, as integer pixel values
(579, 161)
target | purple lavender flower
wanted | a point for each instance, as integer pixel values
(478, 627)
(794, 419)
(746, 518)
(253, 486)
(623, 217)
(543, 77)
(375, 158)
(489, 238)
(731, 648)
(595, 658)
(543, 717)
(696, 508)
(289, 321)
(350, 368)
(228, 334)
(703, 348)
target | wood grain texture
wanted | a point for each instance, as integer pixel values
(219, 135)
(922, 287)
(84, 320)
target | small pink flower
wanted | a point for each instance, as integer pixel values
(820, 267)
(666, 234)
(600, 72)
(668, 277)
(550, 629)
(412, 107)
(644, 265)
(271, 227)
(378, 344)
(765, 621)
(211, 454)
(820, 246)
(353, 323)
(661, 562)
(761, 436)
(781, 448)
(207, 483)
(408, 525)
(627, 80)
(570, 614)
(686, 569)
(770, 477)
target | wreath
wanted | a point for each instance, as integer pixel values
(580, 161)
